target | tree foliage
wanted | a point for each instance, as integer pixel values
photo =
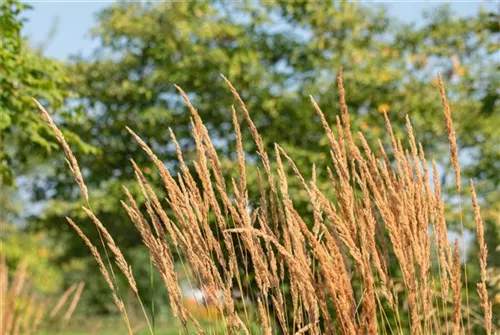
(25, 73)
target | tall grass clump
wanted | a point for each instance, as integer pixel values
(25, 311)
(372, 257)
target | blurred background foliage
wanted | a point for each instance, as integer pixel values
(37, 252)
(276, 54)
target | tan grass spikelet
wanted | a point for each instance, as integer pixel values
(456, 285)
(40, 312)
(119, 258)
(62, 300)
(264, 318)
(450, 129)
(344, 112)
(72, 162)
(74, 302)
(12, 293)
(483, 252)
(97, 256)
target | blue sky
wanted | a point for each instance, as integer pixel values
(73, 20)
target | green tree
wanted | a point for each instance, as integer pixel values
(276, 54)
(26, 74)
